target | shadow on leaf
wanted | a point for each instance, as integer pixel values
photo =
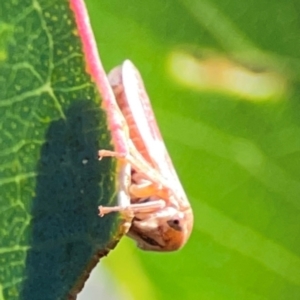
(67, 235)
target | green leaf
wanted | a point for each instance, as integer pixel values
(235, 146)
(51, 182)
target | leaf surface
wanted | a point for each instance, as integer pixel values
(52, 183)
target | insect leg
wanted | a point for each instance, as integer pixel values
(146, 207)
(138, 163)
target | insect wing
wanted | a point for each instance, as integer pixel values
(146, 129)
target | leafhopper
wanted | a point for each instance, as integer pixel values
(162, 215)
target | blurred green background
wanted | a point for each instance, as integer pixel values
(223, 77)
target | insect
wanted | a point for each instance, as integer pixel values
(162, 215)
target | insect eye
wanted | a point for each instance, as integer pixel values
(175, 224)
